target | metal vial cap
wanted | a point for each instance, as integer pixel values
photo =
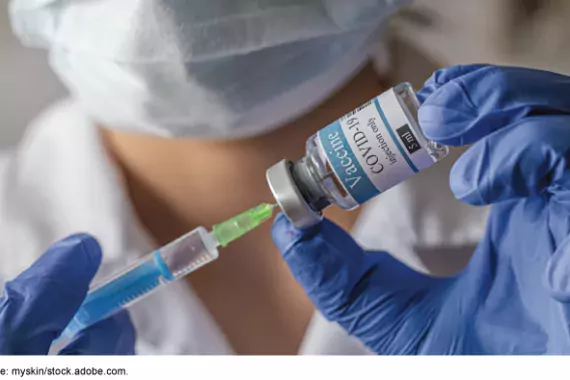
(288, 196)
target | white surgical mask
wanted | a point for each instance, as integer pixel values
(201, 68)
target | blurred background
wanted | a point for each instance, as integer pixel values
(27, 84)
(532, 33)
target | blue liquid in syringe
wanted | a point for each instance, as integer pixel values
(119, 292)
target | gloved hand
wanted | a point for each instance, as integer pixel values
(40, 302)
(514, 295)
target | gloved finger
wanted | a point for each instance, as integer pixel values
(328, 270)
(525, 159)
(442, 76)
(112, 336)
(371, 295)
(39, 303)
(557, 273)
(471, 106)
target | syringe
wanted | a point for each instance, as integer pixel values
(167, 264)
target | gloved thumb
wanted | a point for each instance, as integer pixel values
(39, 303)
(371, 295)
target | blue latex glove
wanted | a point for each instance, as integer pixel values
(514, 296)
(41, 301)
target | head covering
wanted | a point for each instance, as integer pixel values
(201, 68)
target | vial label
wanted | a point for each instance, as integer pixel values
(374, 147)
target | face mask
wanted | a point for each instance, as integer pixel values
(200, 68)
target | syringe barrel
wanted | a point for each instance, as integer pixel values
(167, 264)
(189, 252)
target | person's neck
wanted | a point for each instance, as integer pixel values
(177, 184)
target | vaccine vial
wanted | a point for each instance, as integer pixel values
(357, 157)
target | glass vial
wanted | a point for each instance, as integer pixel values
(362, 154)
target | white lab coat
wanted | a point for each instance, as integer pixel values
(59, 181)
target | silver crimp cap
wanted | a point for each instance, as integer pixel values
(288, 196)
